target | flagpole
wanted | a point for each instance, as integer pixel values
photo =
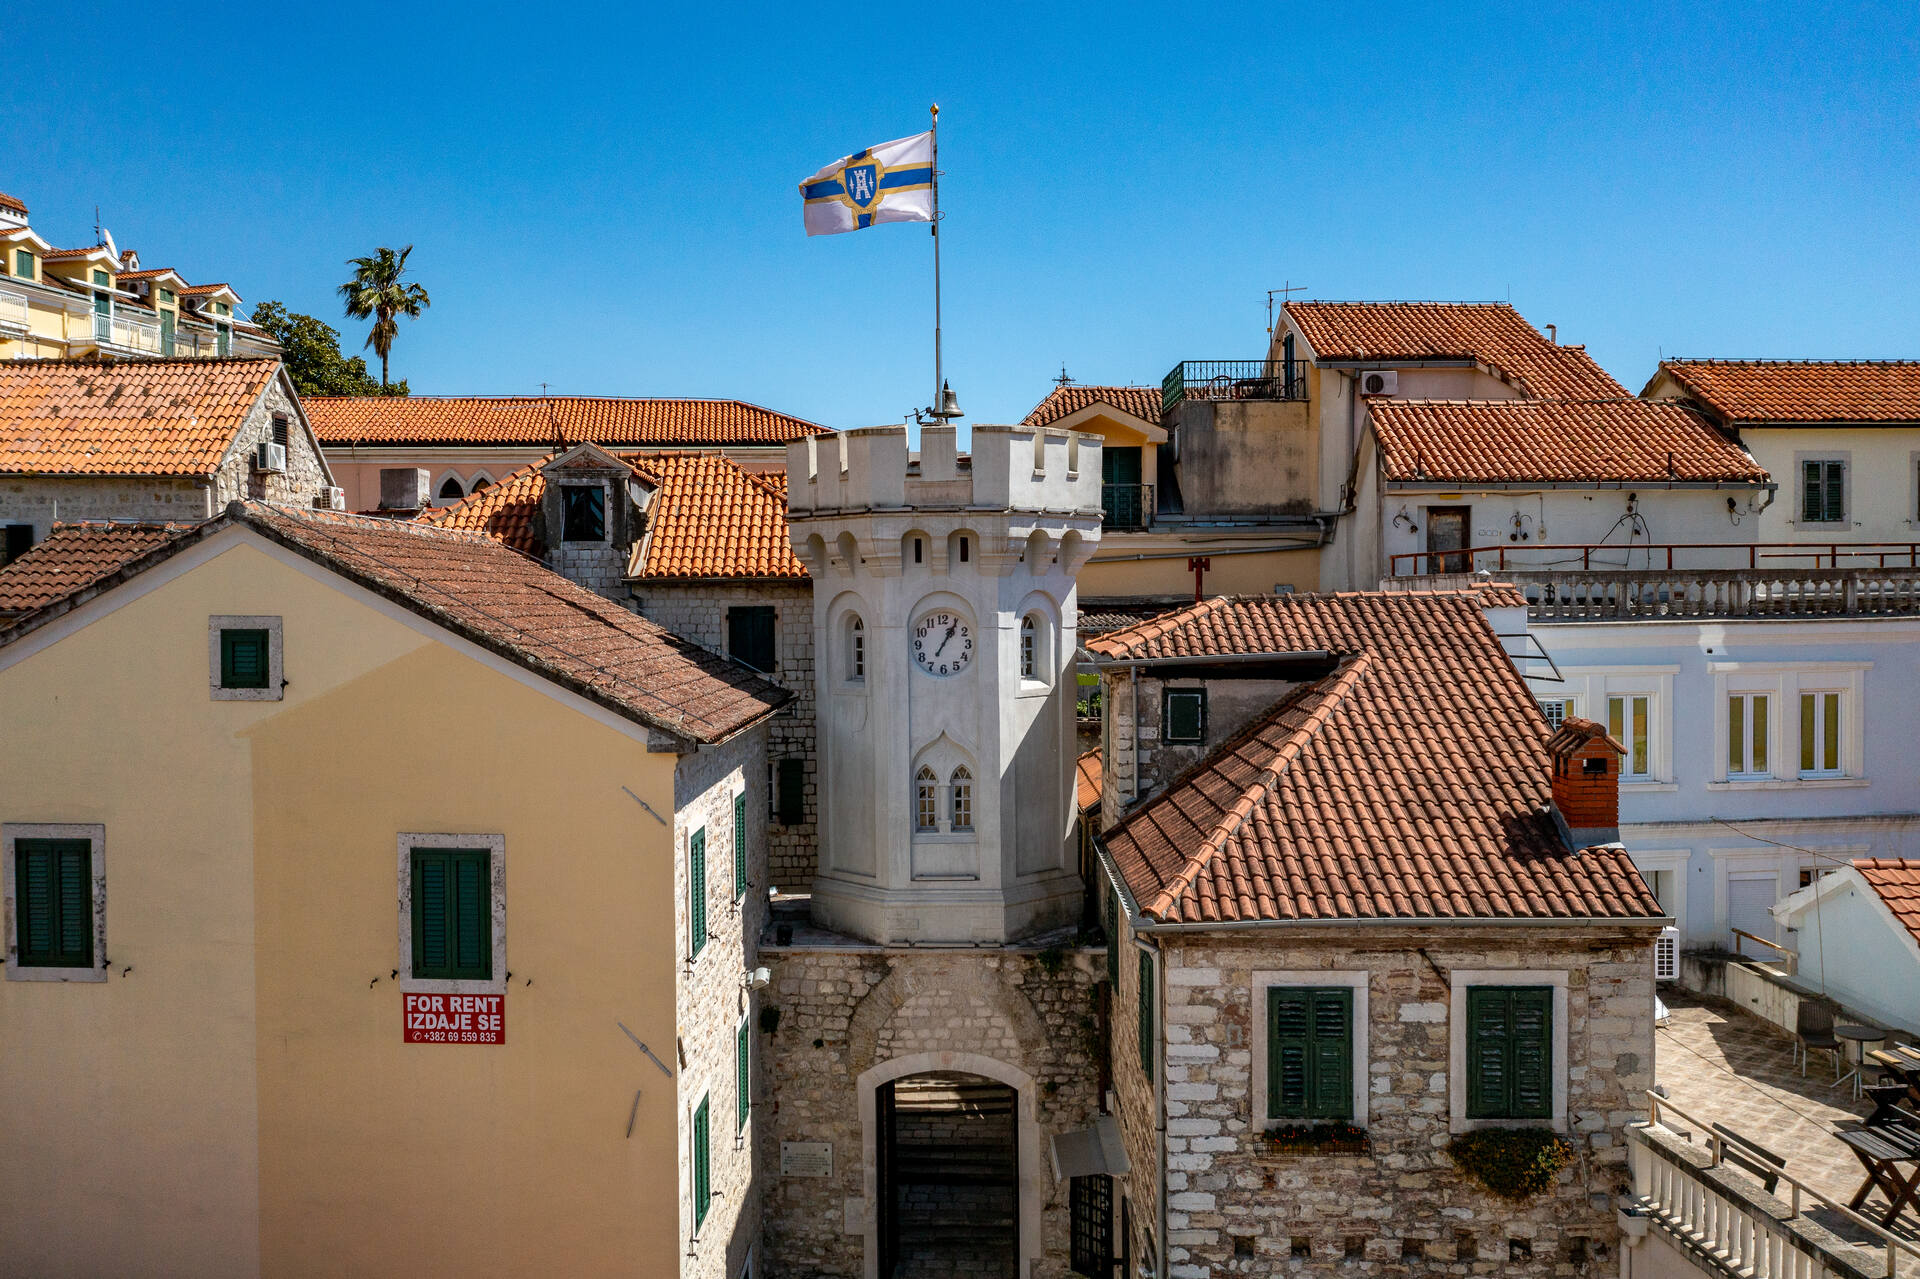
(937, 377)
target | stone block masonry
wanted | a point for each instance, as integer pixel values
(698, 611)
(845, 1011)
(1236, 1207)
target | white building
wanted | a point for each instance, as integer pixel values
(1857, 931)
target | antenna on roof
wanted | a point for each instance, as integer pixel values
(1286, 292)
(1063, 381)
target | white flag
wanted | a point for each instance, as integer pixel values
(892, 182)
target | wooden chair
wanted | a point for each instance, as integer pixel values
(1813, 1030)
(1744, 1152)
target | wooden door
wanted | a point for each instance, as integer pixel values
(1447, 537)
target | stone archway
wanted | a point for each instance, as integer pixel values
(1031, 1187)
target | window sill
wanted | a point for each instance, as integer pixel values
(411, 985)
(1788, 783)
(41, 972)
(1460, 1124)
(1649, 787)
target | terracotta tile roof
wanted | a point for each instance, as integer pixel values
(1100, 614)
(74, 556)
(1086, 779)
(1410, 782)
(151, 274)
(127, 417)
(547, 420)
(507, 511)
(1064, 401)
(8, 202)
(1810, 391)
(1897, 883)
(61, 255)
(1491, 332)
(709, 518)
(205, 288)
(1554, 441)
(499, 599)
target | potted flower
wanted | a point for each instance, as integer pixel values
(1316, 1139)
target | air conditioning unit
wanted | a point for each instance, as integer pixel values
(269, 457)
(330, 499)
(1380, 382)
(1666, 955)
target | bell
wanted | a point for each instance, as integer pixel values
(949, 403)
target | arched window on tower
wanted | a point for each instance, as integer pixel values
(856, 650)
(926, 800)
(962, 799)
(451, 491)
(1028, 660)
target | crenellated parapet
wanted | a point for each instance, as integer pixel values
(1040, 470)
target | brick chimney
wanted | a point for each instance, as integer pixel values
(1585, 763)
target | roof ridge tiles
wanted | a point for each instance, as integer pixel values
(1817, 361)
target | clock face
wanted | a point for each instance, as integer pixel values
(942, 643)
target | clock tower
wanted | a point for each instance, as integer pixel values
(944, 638)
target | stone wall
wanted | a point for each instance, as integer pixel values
(43, 500)
(711, 1001)
(306, 472)
(1404, 1209)
(698, 611)
(845, 1010)
(1142, 760)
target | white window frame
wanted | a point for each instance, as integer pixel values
(956, 796)
(1678, 863)
(1784, 682)
(1568, 703)
(1629, 772)
(276, 657)
(1591, 686)
(926, 798)
(1354, 980)
(1458, 981)
(1724, 734)
(1827, 702)
(96, 835)
(496, 845)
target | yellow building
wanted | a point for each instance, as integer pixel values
(377, 902)
(99, 301)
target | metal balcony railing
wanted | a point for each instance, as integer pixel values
(13, 309)
(1233, 380)
(1126, 507)
(1504, 557)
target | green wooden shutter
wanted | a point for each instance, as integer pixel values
(431, 920)
(1289, 1046)
(697, 889)
(750, 636)
(1510, 1052)
(1310, 1052)
(742, 1074)
(1146, 1013)
(792, 791)
(740, 844)
(1532, 1054)
(1332, 1094)
(1836, 491)
(243, 659)
(1184, 715)
(453, 914)
(54, 908)
(702, 1174)
(472, 917)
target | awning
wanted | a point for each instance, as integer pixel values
(1089, 1152)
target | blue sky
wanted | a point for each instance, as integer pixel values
(604, 201)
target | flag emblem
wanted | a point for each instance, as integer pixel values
(892, 182)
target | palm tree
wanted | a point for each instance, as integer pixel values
(375, 291)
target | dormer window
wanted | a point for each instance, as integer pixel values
(583, 513)
(23, 263)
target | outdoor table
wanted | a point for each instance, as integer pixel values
(1881, 1151)
(1861, 1035)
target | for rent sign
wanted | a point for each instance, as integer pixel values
(456, 1019)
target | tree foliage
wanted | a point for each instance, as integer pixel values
(313, 358)
(375, 292)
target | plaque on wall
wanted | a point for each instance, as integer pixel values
(806, 1159)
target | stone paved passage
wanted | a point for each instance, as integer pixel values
(1722, 1065)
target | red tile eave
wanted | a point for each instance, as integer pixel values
(1897, 883)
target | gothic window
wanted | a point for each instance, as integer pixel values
(1028, 665)
(926, 805)
(962, 799)
(450, 490)
(856, 650)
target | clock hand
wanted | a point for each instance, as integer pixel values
(949, 636)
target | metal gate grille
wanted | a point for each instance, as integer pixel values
(1092, 1214)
